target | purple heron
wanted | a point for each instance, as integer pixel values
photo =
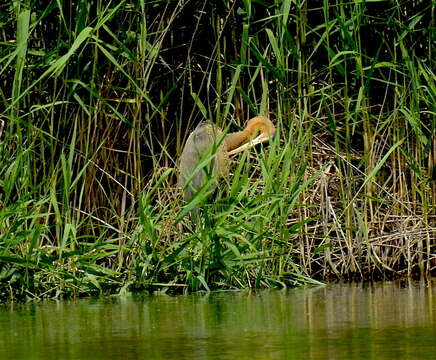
(203, 139)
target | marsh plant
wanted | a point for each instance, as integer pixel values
(97, 99)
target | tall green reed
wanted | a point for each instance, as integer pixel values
(98, 99)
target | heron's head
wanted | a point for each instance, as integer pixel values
(259, 129)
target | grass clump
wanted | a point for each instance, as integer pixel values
(97, 100)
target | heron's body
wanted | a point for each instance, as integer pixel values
(207, 137)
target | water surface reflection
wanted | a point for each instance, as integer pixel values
(341, 321)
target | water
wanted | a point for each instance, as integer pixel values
(343, 321)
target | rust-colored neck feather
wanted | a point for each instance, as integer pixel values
(255, 126)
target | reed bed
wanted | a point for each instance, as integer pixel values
(97, 99)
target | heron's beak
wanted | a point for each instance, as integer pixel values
(257, 140)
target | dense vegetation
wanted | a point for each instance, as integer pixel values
(98, 97)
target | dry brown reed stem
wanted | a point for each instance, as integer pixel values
(389, 242)
(2, 124)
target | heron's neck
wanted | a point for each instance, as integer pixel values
(235, 139)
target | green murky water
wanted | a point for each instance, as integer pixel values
(342, 321)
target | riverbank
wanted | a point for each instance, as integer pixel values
(97, 101)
